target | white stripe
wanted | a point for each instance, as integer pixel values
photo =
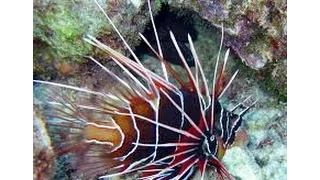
(204, 80)
(142, 167)
(226, 57)
(242, 112)
(112, 74)
(172, 166)
(77, 89)
(116, 167)
(221, 117)
(233, 125)
(153, 87)
(197, 84)
(136, 163)
(183, 112)
(189, 174)
(149, 170)
(162, 125)
(121, 133)
(101, 126)
(166, 144)
(204, 168)
(116, 126)
(226, 87)
(164, 82)
(156, 109)
(158, 42)
(153, 122)
(99, 142)
(241, 103)
(122, 158)
(94, 108)
(80, 119)
(187, 169)
(214, 81)
(182, 106)
(114, 53)
(190, 76)
(227, 124)
(169, 157)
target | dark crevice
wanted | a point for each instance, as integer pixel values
(180, 24)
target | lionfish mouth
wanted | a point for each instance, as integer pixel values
(147, 125)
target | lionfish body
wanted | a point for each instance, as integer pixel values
(148, 126)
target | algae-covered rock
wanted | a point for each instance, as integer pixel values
(60, 26)
(256, 30)
(241, 164)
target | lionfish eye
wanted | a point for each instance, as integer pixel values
(212, 138)
(212, 144)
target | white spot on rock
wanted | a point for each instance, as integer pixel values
(136, 3)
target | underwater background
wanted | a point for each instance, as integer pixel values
(255, 32)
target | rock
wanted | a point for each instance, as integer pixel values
(60, 26)
(256, 30)
(43, 161)
(241, 165)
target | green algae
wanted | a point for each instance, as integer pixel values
(58, 31)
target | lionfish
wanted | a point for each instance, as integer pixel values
(147, 126)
